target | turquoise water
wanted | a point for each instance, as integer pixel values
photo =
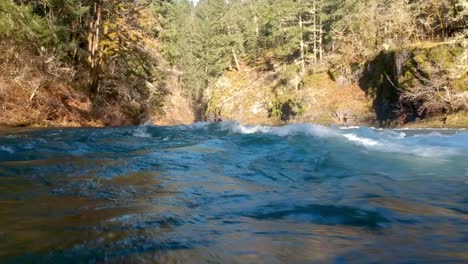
(227, 193)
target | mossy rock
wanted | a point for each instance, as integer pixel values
(325, 119)
(454, 120)
(425, 62)
(446, 56)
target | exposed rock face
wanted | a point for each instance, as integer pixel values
(176, 111)
(240, 96)
(416, 83)
(261, 98)
(375, 95)
(427, 83)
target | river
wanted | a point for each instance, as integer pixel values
(228, 193)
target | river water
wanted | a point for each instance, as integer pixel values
(227, 193)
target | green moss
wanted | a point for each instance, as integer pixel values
(461, 84)
(445, 56)
(426, 61)
(454, 120)
(408, 77)
(287, 108)
(317, 80)
(458, 120)
(324, 119)
(421, 61)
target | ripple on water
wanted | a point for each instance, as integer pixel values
(228, 193)
(322, 214)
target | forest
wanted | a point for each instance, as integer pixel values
(114, 62)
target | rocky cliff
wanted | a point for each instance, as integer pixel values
(419, 85)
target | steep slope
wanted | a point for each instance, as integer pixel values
(42, 91)
(176, 108)
(419, 85)
(253, 97)
(35, 92)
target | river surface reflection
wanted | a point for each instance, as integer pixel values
(227, 193)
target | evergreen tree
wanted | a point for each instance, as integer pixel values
(119, 40)
(212, 36)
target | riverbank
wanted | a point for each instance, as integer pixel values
(421, 85)
(38, 90)
(38, 93)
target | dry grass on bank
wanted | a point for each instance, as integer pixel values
(40, 90)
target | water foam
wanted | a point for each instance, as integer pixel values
(142, 131)
(283, 131)
(425, 145)
(361, 140)
(6, 149)
(197, 125)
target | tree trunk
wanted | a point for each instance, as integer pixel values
(255, 20)
(320, 40)
(257, 30)
(93, 47)
(302, 50)
(235, 59)
(314, 17)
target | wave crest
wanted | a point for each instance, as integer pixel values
(415, 142)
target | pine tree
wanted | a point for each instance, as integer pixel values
(212, 35)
